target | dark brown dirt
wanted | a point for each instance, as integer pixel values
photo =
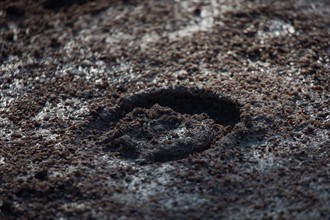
(159, 134)
(164, 109)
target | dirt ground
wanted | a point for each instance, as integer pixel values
(173, 109)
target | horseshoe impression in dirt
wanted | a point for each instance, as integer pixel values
(167, 124)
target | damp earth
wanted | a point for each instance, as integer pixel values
(142, 109)
(166, 124)
(159, 134)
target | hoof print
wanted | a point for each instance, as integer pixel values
(166, 124)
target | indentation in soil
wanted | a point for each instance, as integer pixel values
(183, 100)
(166, 124)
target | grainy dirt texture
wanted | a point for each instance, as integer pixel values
(173, 109)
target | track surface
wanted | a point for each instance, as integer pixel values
(67, 65)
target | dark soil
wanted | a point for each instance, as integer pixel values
(164, 124)
(159, 134)
(164, 109)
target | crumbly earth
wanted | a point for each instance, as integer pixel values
(160, 134)
(63, 62)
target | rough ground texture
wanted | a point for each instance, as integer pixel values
(65, 64)
(160, 135)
